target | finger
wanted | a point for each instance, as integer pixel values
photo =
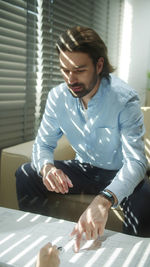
(55, 249)
(78, 231)
(47, 184)
(100, 230)
(54, 183)
(94, 234)
(49, 244)
(94, 230)
(88, 232)
(63, 181)
(77, 242)
(74, 231)
(58, 187)
(59, 180)
(69, 182)
(45, 249)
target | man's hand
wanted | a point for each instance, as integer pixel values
(48, 256)
(92, 222)
(55, 180)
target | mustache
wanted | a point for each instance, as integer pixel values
(75, 85)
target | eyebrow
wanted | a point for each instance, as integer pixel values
(75, 67)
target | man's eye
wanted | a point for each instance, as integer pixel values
(79, 71)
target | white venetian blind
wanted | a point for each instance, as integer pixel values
(29, 63)
(103, 16)
(57, 16)
(107, 22)
(16, 71)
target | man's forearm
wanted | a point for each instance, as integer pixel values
(126, 180)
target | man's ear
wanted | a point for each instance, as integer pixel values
(100, 64)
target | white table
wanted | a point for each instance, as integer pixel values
(23, 234)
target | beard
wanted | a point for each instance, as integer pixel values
(79, 90)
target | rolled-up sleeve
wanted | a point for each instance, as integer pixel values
(48, 135)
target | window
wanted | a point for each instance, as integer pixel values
(18, 71)
(29, 61)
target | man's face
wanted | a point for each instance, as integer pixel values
(80, 74)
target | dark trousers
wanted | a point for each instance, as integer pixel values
(33, 196)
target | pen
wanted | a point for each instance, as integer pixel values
(60, 248)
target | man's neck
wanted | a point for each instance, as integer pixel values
(88, 97)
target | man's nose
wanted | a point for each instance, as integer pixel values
(72, 77)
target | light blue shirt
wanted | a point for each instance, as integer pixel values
(109, 134)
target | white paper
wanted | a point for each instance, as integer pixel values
(23, 234)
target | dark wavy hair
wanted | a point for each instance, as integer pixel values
(85, 40)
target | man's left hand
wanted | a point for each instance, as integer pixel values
(93, 220)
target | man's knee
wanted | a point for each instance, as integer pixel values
(25, 170)
(22, 174)
(19, 172)
(136, 210)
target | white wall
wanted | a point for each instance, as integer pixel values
(135, 48)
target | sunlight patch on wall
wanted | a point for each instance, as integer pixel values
(125, 48)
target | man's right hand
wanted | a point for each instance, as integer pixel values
(55, 180)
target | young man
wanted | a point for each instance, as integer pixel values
(101, 117)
